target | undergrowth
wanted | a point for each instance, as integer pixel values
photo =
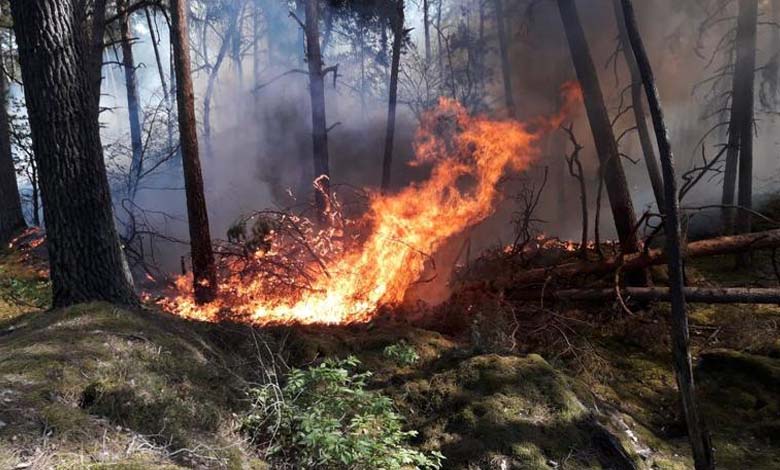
(324, 418)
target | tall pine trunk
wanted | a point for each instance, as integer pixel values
(603, 134)
(203, 268)
(638, 106)
(85, 257)
(700, 442)
(739, 155)
(503, 47)
(397, 25)
(744, 222)
(11, 216)
(133, 102)
(318, 117)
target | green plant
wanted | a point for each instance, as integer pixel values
(402, 353)
(323, 417)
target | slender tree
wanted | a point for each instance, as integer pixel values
(506, 66)
(318, 117)
(85, 257)
(638, 106)
(399, 34)
(11, 216)
(203, 268)
(739, 155)
(601, 127)
(702, 448)
(133, 101)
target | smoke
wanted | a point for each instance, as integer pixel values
(261, 138)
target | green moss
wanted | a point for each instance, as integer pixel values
(492, 407)
(72, 372)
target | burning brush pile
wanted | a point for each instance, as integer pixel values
(279, 268)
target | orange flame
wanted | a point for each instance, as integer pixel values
(467, 155)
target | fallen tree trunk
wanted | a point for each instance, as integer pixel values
(705, 295)
(712, 247)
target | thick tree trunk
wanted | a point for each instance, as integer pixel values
(506, 67)
(697, 434)
(397, 25)
(703, 295)
(740, 143)
(638, 106)
(11, 216)
(203, 269)
(318, 117)
(133, 102)
(603, 134)
(85, 257)
(94, 54)
(726, 245)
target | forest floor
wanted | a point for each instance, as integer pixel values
(99, 387)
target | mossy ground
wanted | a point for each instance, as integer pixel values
(104, 388)
(95, 386)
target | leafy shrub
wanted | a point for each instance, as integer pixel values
(323, 417)
(402, 353)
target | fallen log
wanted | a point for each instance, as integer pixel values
(705, 295)
(703, 248)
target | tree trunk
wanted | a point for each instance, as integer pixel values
(152, 23)
(740, 138)
(397, 25)
(427, 29)
(717, 246)
(697, 434)
(213, 74)
(203, 269)
(85, 257)
(744, 223)
(94, 54)
(506, 68)
(704, 295)
(637, 101)
(11, 216)
(603, 134)
(318, 117)
(133, 102)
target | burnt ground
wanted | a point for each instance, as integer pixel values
(495, 385)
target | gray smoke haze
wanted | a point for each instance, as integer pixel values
(262, 140)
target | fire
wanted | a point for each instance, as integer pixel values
(364, 264)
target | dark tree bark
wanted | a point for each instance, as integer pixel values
(503, 47)
(133, 102)
(94, 53)
(427, 28)
(11, 216)
(697, 434)
(603, 134)
(397, 25)
(638, 106)
(704, 295)
(739, 155)
(203, 268)
(85, 257)
(318, 117)
(744, 223)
